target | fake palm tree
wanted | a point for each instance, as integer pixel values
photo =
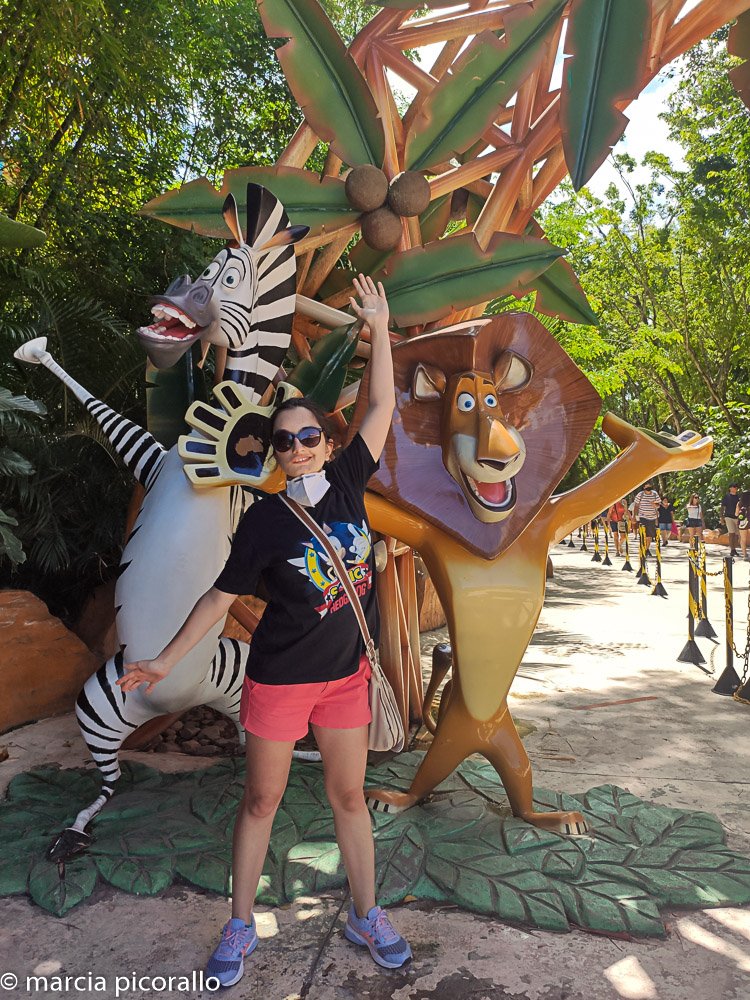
(519, 95)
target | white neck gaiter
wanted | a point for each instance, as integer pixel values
(309, 489)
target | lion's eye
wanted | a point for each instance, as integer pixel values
(490, 400)
(232, 278)
(465, 402)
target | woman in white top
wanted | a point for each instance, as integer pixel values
(695, 523)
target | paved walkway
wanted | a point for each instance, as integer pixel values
(601, 640)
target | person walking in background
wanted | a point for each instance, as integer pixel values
(729, 517)
(695, 522)
(666, 519)
(743, 522)
(617, 517)
(646, 511)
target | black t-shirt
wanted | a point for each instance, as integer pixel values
(666, 513)
(308, 632)
(729, 505)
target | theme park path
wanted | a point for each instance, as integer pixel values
(606, 702)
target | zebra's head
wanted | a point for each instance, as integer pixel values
(243, 301)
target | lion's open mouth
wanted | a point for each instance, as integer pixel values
(493, 496)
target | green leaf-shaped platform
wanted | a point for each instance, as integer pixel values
(460, 846)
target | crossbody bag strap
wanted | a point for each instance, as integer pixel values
(339, 568)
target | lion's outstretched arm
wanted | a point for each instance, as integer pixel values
(643, 455)
(389, 519)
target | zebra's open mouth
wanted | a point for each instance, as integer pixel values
(170, 335)
(171, 324)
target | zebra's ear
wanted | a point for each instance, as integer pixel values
(285, 238)
(232, 219)
(265, 215)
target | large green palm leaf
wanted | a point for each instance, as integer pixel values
(326, 82)
(425, 283)
(606, 48)
(466, 101)
(308, 200)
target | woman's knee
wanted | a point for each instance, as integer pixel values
(260, 803)
(346, 799)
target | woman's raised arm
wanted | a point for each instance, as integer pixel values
(382, 398)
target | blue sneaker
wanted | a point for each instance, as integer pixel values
(376, 932)
(238, 939)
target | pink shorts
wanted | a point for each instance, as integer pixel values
(282, 711)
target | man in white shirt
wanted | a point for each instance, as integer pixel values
(646, 510)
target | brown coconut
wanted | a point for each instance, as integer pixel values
(366, 188)
(409, 193)
(381, 229)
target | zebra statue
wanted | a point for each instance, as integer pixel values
(244, 301)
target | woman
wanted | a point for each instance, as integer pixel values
(666, 518)
(306, 662)
(617, 517)
(695, 524)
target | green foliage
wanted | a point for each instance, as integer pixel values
(461, 846)
(103, 108)
(66, 490)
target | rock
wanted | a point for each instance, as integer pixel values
(43, 665)
(213, 732)
(191, 746)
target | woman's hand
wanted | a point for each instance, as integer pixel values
(374, 305)
(143, 671)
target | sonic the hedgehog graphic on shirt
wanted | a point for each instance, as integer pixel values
(353, 545)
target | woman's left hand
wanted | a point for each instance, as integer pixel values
(374, 305)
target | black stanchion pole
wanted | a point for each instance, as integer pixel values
(704, 628)
(626, 565)
(729, 681)
(643, 577)
(691, 653)
(596, 557)
(659, 588)
(571, 543)
(584, 528)
(606, 561)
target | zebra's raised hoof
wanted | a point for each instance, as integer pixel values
(69, 843)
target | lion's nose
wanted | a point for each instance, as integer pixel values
(496, 443)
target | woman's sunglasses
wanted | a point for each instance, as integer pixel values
(308, 437)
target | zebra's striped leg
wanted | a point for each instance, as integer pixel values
(227, 676)
(106, 717)
(138, 449)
